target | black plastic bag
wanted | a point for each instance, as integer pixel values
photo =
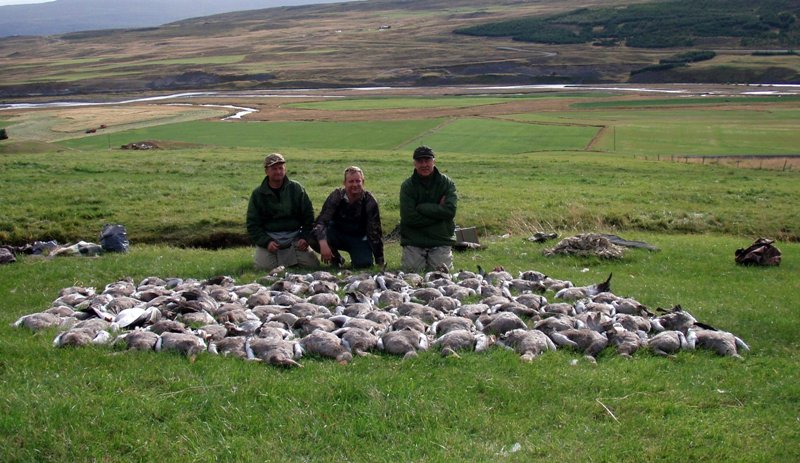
(114, 238)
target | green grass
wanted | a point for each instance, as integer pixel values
(360, 104)
(686, 131)
(274, 135)
(716, 101)
(478, 136)
(197, 196)
(103, 404)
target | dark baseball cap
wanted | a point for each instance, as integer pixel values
(423, 152)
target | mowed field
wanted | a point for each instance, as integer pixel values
(521, 164)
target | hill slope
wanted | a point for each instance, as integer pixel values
(62, 16)
(375, 43)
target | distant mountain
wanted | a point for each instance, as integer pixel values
(63, 16)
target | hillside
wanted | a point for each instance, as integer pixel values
(63, 16)
(374, 43)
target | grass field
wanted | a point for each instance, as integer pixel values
(549, 170)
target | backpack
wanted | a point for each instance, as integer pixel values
(761, 252)
(114, 238)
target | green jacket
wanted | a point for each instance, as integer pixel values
(290, 210)
(424, 222)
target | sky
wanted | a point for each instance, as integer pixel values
(21, 2)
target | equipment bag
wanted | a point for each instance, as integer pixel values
(114, 238)
(761, 252)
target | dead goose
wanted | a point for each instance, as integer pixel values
(496, 276)
(633, 323)
(390, 298)
(38, 321)
(448, 324)
(472, 311)
(120, 303)
(213, 332)
(386, 281)
(361, 323)
(329, 300)
(186, 344)
(631, 306)
(520, 310)
(579, 292)
(409, 323)
(499, 323)
(425, 295)
(534, 301)
(124, 287)
(166, 325)
(357, 309)
(277, 352)
(404, 342)
(80, 337)
(306, 309)
(139, 340)
(422, 312)
(526, 286)
(585, 340)
(445, 304)
(245, 328)
(528, 343)
(674, 319)
(307, 325)
(459, 340)
(262, 297)
(327, 345)
(558, 323)
(247, 290)
(562, 308)
(381, 317)
(668, 343)
(357, 340)
(135, 317)
(624, 341)
(233, 346)
(719, 342)
(196, 318)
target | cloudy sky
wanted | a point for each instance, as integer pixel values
(20, 2)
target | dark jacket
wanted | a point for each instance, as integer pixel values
(423, 221)
(290, 210)
(357, 219)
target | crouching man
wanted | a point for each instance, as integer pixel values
(350, 221)
(279, 219)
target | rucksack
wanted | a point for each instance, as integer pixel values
(114, 238)
(761, 252)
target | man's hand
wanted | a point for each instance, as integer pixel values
(273, 246)
(326, 255)
(302, 244)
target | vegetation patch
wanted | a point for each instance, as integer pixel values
(658, 25)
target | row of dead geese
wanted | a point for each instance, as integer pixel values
(285, 316)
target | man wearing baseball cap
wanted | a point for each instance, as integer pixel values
(279, 219)
(428, 201)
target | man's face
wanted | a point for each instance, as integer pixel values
(276, 173)
(424, 166)
(354, 185)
